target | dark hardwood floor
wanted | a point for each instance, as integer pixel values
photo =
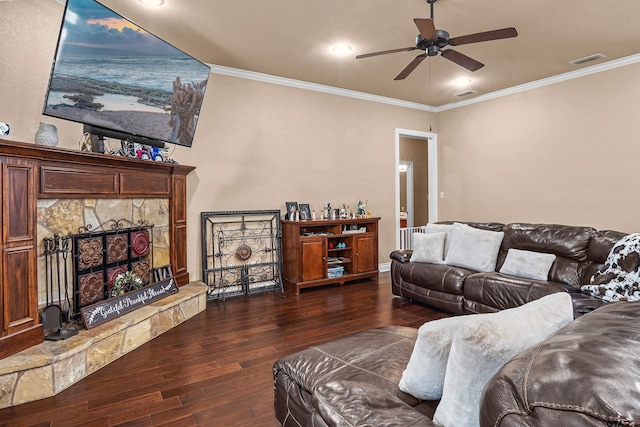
(215, 369)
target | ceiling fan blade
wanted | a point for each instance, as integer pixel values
(503, 33)
(427, 28)
(384, 52)
(462, 60)
(412, 66)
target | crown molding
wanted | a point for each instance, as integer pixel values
(605, 66)
(300, 84)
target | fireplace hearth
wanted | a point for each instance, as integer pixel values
(48, 368)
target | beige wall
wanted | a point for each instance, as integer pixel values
(257, 146)
(28, 35)
(565, 153)
(260, 145)
(417, 151)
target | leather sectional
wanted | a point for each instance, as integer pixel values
(585, 375)
(580, 252)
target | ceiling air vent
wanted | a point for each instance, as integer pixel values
(587, 59)
(465, 92)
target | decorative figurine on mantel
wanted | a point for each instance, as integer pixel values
(293, 212)
(361, 212)
(327, 211)
(343, 211)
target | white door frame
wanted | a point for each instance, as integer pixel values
(432, 140)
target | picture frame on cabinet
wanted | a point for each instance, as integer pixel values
(292, 208)
(305, 211)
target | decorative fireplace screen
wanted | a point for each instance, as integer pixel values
(241, 252)
(100, 256)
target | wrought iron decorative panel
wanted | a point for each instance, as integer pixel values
(100, 255)
(241, 252)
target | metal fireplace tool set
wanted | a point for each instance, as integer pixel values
(56, 313)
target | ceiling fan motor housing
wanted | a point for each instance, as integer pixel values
(432, 47)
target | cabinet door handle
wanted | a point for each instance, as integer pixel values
(357, 254)
(324, 258)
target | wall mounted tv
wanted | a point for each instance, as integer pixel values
(122, 81)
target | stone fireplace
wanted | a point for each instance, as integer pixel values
(51, 190)
(48, 191)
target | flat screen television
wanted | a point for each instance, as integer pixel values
(122, 81)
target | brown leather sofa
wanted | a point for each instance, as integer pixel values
(584, 375)
(580, 252)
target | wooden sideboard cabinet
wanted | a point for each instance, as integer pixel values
(323, 252)
(31, 172)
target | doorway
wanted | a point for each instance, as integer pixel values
(432, 164)
(407, 211)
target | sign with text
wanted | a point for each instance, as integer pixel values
(112, 308)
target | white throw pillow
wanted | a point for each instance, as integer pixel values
(428, 248)
(423, 377)
(528, 264)
(474, 248)
(480, 348)
(431, 228)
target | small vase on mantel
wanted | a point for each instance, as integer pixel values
(47, 134)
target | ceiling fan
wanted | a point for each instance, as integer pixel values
(434, 41)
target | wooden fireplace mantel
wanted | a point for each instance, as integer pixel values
(31, 172)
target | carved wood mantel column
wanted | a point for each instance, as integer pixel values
(30, 172)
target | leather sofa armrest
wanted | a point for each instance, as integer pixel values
(402, 255)
(351, 403)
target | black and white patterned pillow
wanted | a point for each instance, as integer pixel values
(619, 278)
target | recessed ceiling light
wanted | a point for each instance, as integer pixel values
(152, 2)
(341, 49)
(462, 82)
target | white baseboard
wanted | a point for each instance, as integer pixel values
(384, 267)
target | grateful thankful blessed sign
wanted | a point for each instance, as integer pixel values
(106, 310)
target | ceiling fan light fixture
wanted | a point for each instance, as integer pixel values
(432, 50)
(341, 49)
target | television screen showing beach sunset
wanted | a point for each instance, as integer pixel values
(110, 73)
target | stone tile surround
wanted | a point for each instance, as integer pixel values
(65, 216)
(46, 369)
